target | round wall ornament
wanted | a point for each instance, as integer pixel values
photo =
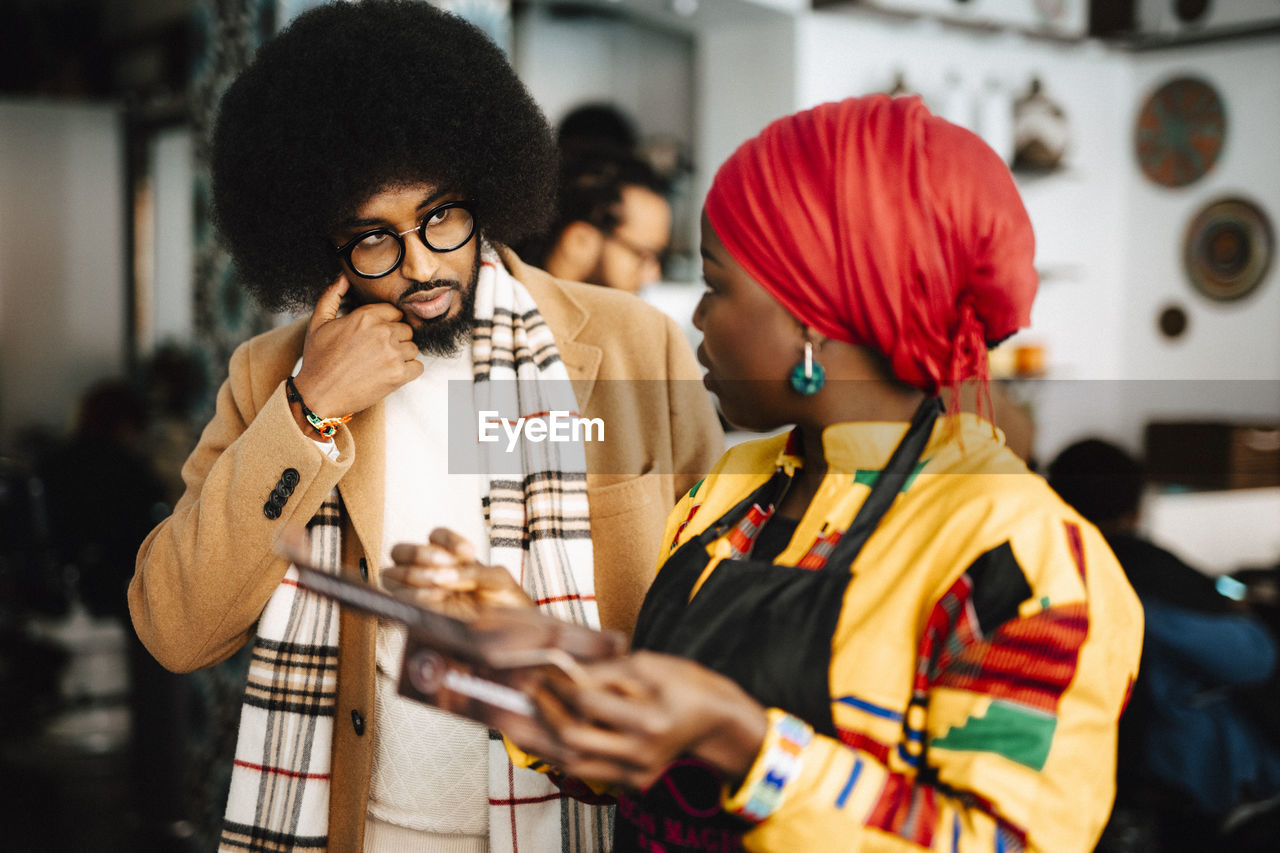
(1228, 249)
(1180, 132)
(1172, 321)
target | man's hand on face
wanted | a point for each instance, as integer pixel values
(353, 361)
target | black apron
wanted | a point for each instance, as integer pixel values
(766, 626)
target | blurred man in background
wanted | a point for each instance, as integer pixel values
(612, 224)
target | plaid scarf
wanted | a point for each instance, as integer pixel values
(279, 797)
(537, 516)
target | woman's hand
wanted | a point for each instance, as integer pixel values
(444, 575)
(631, 717)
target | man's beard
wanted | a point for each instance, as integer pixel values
(444, 337)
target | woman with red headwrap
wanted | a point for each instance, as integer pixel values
(878, 631)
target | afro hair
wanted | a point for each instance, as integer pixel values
(354, 98)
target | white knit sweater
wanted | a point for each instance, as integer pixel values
(430, 769)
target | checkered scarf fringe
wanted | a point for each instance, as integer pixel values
(539, 522)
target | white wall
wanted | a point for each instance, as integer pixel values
(1078, 214)
(1237, 340)
(645, 71)
(711, 80)
(62, 296)
(746, 78)
(173, 290)
(1108, 241)
(1226, 366)
(1217, 531)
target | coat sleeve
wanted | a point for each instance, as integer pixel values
(204, 574)
(697, 438)
(1022, 668)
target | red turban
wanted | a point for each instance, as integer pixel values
(879, 224)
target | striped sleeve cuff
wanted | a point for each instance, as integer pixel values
(777, 764)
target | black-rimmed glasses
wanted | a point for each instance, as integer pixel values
(380, 251)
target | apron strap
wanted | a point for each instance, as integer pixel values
(900, 466)
(767, 494)
(887, 486)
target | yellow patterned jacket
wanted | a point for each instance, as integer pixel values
(983, 655)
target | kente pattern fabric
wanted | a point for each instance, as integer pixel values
(879, 224)
(984, 651)
(764, 624)
(538, 522)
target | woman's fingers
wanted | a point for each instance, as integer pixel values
(447, 565)
(583, 749)
(426, 576)
(454, 543)
(631, 717)
(609, 697)
(444, 547)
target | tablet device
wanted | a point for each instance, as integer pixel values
(483, 669)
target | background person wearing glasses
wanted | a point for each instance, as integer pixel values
(367, 168)
(612, 220)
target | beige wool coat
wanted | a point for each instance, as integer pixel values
(204, 575)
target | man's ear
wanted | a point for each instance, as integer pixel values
(577, 252)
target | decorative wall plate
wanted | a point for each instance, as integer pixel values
(1180, 132)
(1172, 321)
(1228, 249)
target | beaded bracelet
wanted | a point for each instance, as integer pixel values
(327, 427)
(779, 764)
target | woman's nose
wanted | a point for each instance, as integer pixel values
(697, 314)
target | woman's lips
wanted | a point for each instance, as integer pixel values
(429, 304)
(707, 381)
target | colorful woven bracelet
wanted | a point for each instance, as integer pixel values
(779, 765)
(327, 427)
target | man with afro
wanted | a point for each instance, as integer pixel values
(369, 169)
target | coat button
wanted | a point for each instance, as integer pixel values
(289, 477)
(357, 722)
(270, 511)
(364, 570)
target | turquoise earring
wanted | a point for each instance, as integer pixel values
(808, 377)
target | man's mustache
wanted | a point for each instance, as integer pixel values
(420, 286)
